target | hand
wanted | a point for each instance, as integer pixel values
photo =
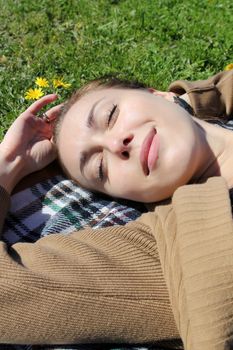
(27, 145)
(168, 95)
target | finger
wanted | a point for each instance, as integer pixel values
(38, 105)
(53, 112)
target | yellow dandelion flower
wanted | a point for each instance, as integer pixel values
(33, 94)
(60, 83)
(42, 82)
(229, 66)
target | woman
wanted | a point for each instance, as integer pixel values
(141, 135)
(167, 275)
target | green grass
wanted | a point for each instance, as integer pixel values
(155, 41)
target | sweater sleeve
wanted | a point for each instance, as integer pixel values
(99, 286)
(195, 242)
(211, 98)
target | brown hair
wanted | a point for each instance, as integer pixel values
(100, 83)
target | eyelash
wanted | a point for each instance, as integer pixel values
(100, 170)
(100, 166)
(111, 114)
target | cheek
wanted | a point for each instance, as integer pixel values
(69, 157)
(124, 177)
(134, 115)
(177, 133)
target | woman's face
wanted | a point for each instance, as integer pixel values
(129, 143)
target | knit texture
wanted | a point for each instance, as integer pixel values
(89, 286)
(195, 243)
(60, 205)
(114, 278)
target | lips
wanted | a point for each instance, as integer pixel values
(149, 152)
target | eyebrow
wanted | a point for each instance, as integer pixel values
(89, 123)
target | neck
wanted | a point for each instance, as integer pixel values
(216, 156)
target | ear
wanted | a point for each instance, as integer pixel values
(165, 94)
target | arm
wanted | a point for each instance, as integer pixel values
(194, 237)
(211, 98)
(90, 286)
(107, 285)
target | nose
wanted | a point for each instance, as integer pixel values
(119, 145)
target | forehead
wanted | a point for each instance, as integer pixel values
(87, 100)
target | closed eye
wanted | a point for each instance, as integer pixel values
(100, 172)
(100, 167)
(112, 113)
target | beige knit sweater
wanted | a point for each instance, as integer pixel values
(167, 275)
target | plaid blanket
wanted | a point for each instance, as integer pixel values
(59, 205)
